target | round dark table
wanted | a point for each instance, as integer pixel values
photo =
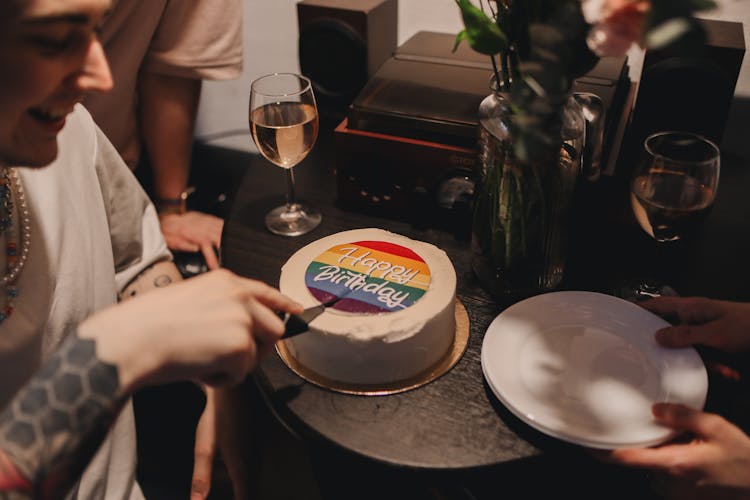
(455, 422)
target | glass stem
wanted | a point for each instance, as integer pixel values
(291, 202)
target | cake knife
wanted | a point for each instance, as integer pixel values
(294, 324)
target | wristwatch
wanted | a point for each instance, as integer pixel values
(174, 205)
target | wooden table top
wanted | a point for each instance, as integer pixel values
(455, 422)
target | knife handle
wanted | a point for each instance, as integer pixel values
(294, 325)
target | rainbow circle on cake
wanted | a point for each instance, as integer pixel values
(393, 315)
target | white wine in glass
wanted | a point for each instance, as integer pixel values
(284, 124)
(672, 190)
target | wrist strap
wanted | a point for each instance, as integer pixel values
(174, 205)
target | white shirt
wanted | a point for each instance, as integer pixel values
(93, 230)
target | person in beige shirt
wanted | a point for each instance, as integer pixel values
(159, 52)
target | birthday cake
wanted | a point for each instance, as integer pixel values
(393, 306)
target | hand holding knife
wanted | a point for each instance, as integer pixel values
(298, 323)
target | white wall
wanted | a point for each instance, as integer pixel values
(271, 45)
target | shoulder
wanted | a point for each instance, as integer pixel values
(83, 139)
(85, 150)
(73, 172)
(78, 125)
(77, 141)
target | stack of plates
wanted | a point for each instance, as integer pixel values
(584, 367)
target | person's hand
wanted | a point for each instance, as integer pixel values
(713, 323)
(223, 427)
(205, 448)
(236, 428)
(212, 328)
(714, 465)
(193, 232)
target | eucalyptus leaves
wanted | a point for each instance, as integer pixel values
(532, 132)
(539, 47)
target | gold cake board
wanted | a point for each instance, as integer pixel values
(460, 341)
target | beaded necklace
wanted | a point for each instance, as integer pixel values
(13, 231)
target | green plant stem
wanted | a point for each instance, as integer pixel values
(494, 190)
(508, 224)
(521, 217)
(542, 200)
(506, 72)
(514, 71)
(495, 70)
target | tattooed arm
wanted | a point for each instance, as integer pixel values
(207, 329)
(12, 483)
(158, 275)
(51, 430)
(35, 419)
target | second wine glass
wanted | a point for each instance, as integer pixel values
(284, 124)
(673, 188)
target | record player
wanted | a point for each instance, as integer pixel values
(408, 147)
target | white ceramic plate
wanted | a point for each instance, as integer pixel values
(584, 367)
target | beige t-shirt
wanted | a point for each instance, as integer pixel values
(93, 230)
(199, 39)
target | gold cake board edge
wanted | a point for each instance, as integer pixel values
(460, 341)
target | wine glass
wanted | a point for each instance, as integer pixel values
(284, 125)
(672, 190)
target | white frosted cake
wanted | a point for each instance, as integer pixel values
(395, 313)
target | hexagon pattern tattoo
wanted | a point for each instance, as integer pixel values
(52, 429)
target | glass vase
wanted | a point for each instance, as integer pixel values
(522, 207)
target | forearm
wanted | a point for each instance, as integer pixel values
(50, 431)
(158, 275)
(168, 106)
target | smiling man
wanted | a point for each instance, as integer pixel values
(79, 232)
(50, 59)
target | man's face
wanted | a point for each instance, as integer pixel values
(49, 59)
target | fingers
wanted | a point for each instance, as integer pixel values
(245, 312)
(698, 318)
(692, 310)
(263, 303)
(267, 326)
(679, 418)
(272, 298)
(682, 418)
(684, 335)
(205, 448)
(181, 245)
(209, 253)
(676, 416)
(193, 232)
(210, 227)
(650, 458)
(664, 305)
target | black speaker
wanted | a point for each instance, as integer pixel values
(690, 93)
(341, 44)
